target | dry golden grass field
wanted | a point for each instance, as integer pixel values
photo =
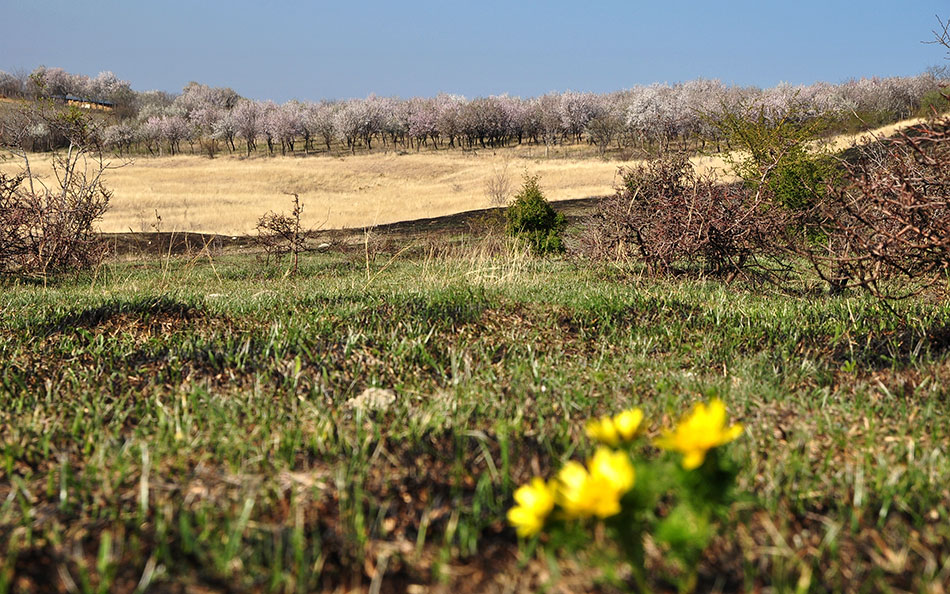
(228, 194)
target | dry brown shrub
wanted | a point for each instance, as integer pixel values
(51, 229)
(47, 224)
(280, 234)
(667, 217)
(888, 229)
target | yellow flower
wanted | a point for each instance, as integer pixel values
(700, 431)
(611, 431)
(612, 467)
(597, 489)
(535, 501)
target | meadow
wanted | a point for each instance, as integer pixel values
(676, 337)
(201, 423)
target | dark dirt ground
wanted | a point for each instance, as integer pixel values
(404, 232)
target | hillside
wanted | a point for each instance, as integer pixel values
(228, 194)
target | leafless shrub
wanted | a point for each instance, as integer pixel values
(669, 218)
(888, 229)
(280, 235)
(50, 228)
(12, 218)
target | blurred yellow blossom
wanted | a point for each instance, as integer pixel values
(535, 501)
(597, 489)
(700, 431)
(614, 430)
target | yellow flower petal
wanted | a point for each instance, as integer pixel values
(733, 432)
(604, 503)
(525, 522)
(703, 429)
(603, 430)
(535, 501)
(614, 468)
(613, 430)
(572, 474)
(597, 489)
(628, 422)
(694, 459)
(535, 495)
(666, 441)
(571, 490)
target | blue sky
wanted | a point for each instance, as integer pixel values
(271, 49)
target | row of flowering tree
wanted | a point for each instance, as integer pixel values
(210, 119)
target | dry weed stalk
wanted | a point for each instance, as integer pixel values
(499, 185)
(496, 259)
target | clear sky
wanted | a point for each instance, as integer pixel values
(279, 49)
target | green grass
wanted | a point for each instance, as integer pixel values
(168, 424)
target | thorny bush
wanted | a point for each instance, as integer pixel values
(781, 152)
(888, 229)
(669, 218)
(46, 229)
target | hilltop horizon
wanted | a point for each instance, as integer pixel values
(348, 51)
(21, 76)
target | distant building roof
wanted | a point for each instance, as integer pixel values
(83, 100)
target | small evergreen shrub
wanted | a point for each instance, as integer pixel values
(531, 218)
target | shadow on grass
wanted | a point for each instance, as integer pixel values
(148, 312)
